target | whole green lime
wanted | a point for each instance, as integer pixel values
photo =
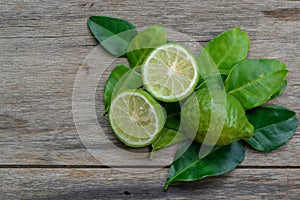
(219, 114)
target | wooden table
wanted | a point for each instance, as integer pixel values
(43, 44)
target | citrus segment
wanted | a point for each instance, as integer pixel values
(136, 118)
(170, 73)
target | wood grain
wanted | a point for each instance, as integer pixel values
(43, 44)
(111, 184)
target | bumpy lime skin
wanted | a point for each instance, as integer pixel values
(236, 126)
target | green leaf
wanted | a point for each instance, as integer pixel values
(167, 137)
(144, 43)
(273, 127)
(223, 52)
(121, 78)
(173, 115)
(212, 80)
(280, 90)
(189, 167)
(253, 82)
(112, 33)
(170, 134)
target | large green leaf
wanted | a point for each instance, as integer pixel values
(253, 82)
(223, 52)
(189, 167)
(121, 78)
(112, 33)
(273, 127)
(144, 43)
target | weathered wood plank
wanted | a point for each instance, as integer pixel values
(201, 19)
(111, 184)
(37, 117)
(43, 44)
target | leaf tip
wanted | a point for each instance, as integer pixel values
(238, 28)
(91, 18)
(160, 26)
(166, 186)
(89, 21)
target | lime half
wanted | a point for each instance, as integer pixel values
(170, 73)
(136, 118)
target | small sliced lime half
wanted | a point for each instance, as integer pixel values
(170, 72)
(136, 118)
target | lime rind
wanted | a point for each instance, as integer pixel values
(132, 141)
(170, 72)
(122, 118)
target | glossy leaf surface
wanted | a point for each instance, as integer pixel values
(280, 90)
(167, 137)
(273, 127)
(223, 52)
(121, 78)
(112, 33)
(143, 43)
(189, 167)
(253, 82)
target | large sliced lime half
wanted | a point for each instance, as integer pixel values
(170, 73)
(136, 118)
